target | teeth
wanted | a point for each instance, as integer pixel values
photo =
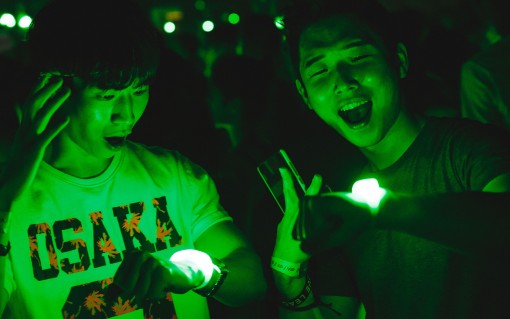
(353, 105)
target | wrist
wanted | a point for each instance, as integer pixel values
(302, 300)
(288, 268)
(211, 271)
(288, 287)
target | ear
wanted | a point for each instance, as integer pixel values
(403, 60)
(302, 91)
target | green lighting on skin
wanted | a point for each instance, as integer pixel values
(367, 191)
(233, 18)
(208, 26)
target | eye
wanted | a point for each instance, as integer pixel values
(318, 72)
(106, 97)
(140, 91)
(360, 58)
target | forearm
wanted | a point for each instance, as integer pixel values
(472, 222)
(245, 281)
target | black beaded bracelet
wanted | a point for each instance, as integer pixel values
(293, 304)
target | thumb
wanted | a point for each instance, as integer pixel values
(315, 186)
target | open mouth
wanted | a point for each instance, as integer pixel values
(357, 115)
(116, 141)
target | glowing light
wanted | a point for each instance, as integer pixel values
(233, 18)
(208, 26)
(169, 27)
(24, 22)
(278, 22)
(368, 191)
(191, 261)
(8, 20)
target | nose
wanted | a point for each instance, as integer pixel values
(123, 111)
(345, 80)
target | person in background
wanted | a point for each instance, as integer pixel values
(484, 88)
(434, 242)
(91, 223)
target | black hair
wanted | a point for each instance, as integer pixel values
(107, 43)
(301, 14)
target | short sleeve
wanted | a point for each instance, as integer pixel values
(483, 151)
(478, 94)
(205, 199)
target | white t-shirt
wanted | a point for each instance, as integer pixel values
(69, 235)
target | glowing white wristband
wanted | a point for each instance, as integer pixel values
(214, 271)
(368, 191)
(196, 260)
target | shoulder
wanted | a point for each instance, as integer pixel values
(465, 136)
(464, 126)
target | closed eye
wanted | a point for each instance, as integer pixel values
(140, 92)
(321, 71)
(107, 97)
(360, 58)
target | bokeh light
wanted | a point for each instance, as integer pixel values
(169, 27)
(233, 18)
(7, 20)
(24, 22)
(208, 26)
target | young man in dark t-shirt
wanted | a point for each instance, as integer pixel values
(433, 244)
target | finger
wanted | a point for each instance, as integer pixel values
(42, 80)
(315, 186)
(161, 281)
(141, 289)
(40, 97)
(46, 113)
(133, 273)
(289, 192)
(51, 133)
(123, 271)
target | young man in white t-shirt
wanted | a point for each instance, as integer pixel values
(91, 222)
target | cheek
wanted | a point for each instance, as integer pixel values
(318, 92)
(140, 106)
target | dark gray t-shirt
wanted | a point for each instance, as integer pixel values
(401, 276)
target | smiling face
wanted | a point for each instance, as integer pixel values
(100, 120)
(347, 79)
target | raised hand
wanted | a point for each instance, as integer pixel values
(286, 247)
(37, 129)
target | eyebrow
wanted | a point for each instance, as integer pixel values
(350, 45)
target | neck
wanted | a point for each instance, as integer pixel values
(77, 162)
(396, 142)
